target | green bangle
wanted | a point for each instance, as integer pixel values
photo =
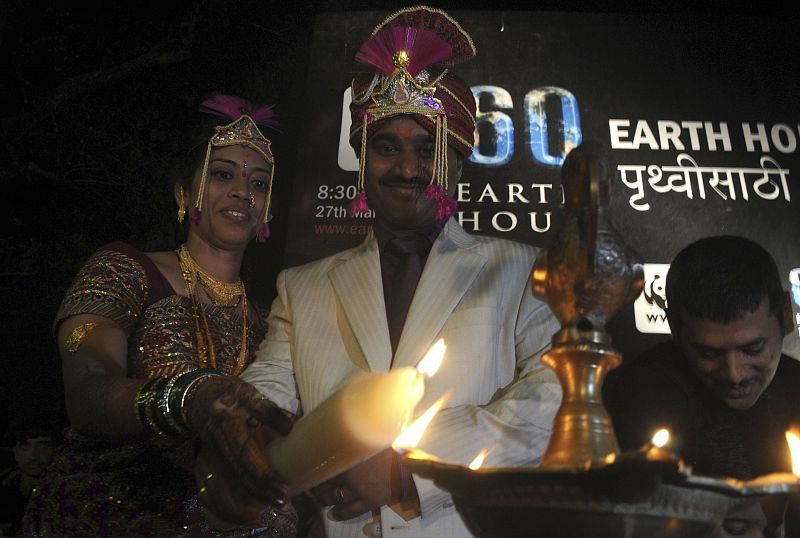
(142, 401)
(180, 391)
(163, 407)
(160, 402)
(147, 404)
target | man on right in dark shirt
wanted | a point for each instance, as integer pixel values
(721, 385)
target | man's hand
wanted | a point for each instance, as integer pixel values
(235, 424)
(367, 486)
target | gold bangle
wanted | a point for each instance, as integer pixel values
(78, 335)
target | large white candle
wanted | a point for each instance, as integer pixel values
(354, 424)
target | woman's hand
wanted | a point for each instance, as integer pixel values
(235, 424)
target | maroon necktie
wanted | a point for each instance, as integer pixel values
(409, 254)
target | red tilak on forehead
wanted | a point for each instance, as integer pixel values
(405, 133)
(244, 168)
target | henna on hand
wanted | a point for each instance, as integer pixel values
(235, 422)
(221, 493)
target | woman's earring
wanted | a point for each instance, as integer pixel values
(181, 205)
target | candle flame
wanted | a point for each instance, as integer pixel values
(794, 448)
(433, 359)
(411, 435)
(660, 438)
(478, 461)
(415, 454)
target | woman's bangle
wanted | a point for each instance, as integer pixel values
(147, 406)
(163, 406)
(182, 390)
(160, 402)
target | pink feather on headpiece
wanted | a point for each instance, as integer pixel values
(231, 107)
(424, 49)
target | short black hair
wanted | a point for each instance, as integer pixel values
(722, 278)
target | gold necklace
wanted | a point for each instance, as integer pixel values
(220, 292)
(205, 344)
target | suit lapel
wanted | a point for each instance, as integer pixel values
(357, 283)
(449, 272)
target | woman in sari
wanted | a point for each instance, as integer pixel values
(140, 333)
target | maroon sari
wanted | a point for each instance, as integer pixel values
(144, 488)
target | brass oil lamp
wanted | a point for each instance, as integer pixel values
(584, 486)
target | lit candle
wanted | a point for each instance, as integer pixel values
(413, 433)
(661, 438)
(782, 482)
(352, 425)
(657, 448)
(406, 442)
(478, 461)
(794, 449)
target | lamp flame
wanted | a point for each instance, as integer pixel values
(660, 438)
(411, 435)
(794, 448)
(430, 363)
(478, 461)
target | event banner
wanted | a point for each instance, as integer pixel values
(701, 116)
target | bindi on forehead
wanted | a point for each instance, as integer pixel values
(405, 134)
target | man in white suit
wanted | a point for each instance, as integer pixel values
(349, 313)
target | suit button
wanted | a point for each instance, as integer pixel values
(375, 530)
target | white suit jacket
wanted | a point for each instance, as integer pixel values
(328, 323)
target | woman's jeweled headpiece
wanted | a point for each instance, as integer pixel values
(243, 130)
(410, 52)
